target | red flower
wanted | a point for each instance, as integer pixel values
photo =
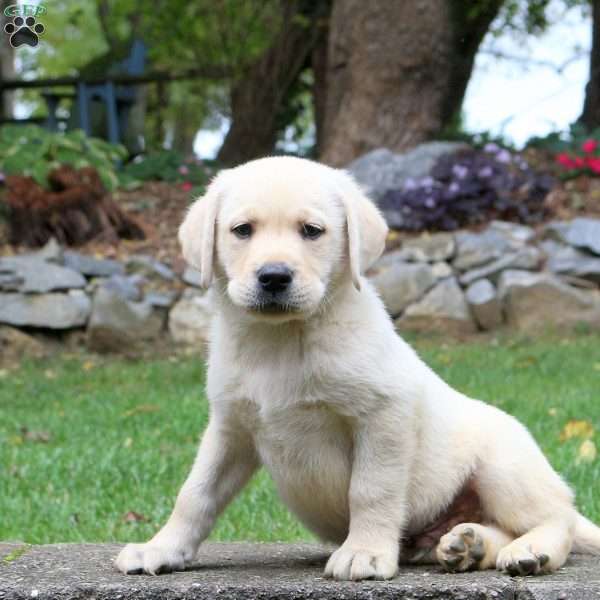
(589, 146)
(187, 186)
(565, 160)
(579, 163)
(593, 164)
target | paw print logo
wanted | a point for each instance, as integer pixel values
(24, 31)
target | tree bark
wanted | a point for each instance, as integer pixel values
(397, 71)
(258, 99)
(590, 117)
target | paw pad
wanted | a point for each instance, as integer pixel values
(24, 31)
(461, 550)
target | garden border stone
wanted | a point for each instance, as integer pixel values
(266, 571)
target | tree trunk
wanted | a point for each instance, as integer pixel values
(397, 71)
(590, 117)
(258, 99)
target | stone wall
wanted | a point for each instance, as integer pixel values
(505, 275)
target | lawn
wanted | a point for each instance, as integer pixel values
(95, 449)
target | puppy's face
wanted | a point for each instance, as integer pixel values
(278, 232)
(279, 242)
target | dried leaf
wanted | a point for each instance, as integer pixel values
(140, 409)
(42, 437)
(526, 361)
(49, 374)
(552, 411)
(587, 452)
(576, 429)
(88, 365)
(127, 443)
(134, 517)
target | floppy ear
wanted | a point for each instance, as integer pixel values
(366, 226)
(197, 232)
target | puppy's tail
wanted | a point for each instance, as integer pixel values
(587, 536)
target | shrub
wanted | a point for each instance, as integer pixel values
(166, 165)
(467, 188)
(32, 151)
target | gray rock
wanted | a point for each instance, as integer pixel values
(148, 266)
(484, 304)
(584, 233)
(556, 231)
(191, 276)
(441, 270)
(160, 299)
(537, 301)
(429, 248)
(9, 280)
(528, 257)
(500, 237)
(566, 260)
(40, 276)
(267, 571)
(519, 234)
(52, 311)
(381, 170)
(51, 252)
(442, 310)
(476, 249)
(400, 284)
(128, 287)
(119, 325)
(189, 319)
(92, 267)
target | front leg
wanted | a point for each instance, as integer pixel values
(226, 459)
(377, 499)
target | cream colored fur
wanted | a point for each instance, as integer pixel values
(365, 443)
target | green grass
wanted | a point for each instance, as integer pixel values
(122, 436)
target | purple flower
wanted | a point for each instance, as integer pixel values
(460, 171)
(454, 188)
(486, 171)
(410, 184)
(429, 203)
(503, 156)
(491, 148)
(427, 181)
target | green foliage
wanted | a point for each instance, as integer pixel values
(565, 141)
(34, 152)
(166, 165)
(455, 131)
(531, 17)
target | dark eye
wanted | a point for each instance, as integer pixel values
(311, 232)
(243, 230)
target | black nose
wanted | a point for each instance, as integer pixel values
(274, 277)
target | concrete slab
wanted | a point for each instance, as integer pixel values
(265, 571)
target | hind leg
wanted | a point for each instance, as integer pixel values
(544, 549)
(471, 546)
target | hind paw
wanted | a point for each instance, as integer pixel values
(462, 549)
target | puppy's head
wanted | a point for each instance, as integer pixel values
(278, 233)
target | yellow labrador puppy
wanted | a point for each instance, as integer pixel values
(307, 377)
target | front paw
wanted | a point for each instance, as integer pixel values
(352, 562)
(153, 558)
